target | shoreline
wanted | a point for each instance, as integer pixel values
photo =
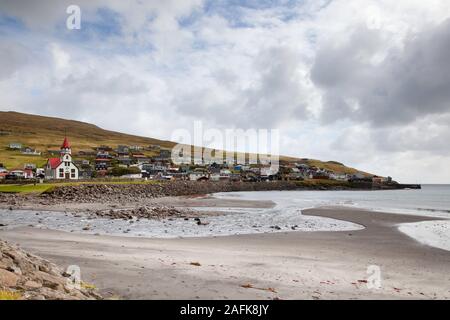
(101, 193)
(297, 265)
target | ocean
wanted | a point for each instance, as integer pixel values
(285, 216)
(431, 200)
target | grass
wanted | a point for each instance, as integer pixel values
(9, 295)
(26, 188)
(321, 183)
(332, 166)
(46, 133)
(88, 286)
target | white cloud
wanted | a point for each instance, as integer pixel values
(310, 69)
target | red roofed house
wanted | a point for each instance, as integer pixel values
(62, 167)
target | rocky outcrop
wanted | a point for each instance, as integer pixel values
(133, 192)
(130, 192)
(145, 212)
(29, 277)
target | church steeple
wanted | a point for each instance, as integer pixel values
(66, 144)
(65, 148)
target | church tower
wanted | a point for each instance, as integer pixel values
(66, 151)
(62, 167)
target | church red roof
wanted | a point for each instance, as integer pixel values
(54, 162)
(66, 144)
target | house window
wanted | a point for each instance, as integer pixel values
(61, 173)
(72, 173)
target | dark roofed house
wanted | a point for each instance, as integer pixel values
(101, 166)
(125, 160)
(154, 147)
(135, 148)
(141, 158)
(30, 151)
(103, 148)
(122, 150)
(165, 154)
(86, 153)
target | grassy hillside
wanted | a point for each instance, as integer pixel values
(46, 133)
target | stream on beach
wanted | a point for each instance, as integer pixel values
(285, 216)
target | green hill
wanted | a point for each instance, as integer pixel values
(46, 133)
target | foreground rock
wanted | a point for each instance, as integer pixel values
(29, 277)
(135, 192)
(87, 193)
(145, 212)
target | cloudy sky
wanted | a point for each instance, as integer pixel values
(363, 82)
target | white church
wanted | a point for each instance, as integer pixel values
(62, 167)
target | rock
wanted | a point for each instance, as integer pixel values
(200, 223)
(8, 279)
(31, 285)
(35, 278)
(15, 269)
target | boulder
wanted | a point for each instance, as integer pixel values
(8, 279)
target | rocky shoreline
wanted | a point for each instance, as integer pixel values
(145, 212)
(133, 192)
(138, 200)
(108, 193)
(24, 276)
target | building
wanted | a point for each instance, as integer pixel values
(339, 176)
(17, 173)
(31, 166)
(122, 150)
(62, 167)
(103, 149)
(15, 146)
(165, 154)
(30, 151)
(136, 148)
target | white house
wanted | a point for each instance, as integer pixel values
(62, 167)
(339, 176)
(15, 145)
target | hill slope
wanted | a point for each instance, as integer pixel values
(46, 133)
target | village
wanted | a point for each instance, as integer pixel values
(131, 163)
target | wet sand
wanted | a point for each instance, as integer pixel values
(179, 202)
(292, 265)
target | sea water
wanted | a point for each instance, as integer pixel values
(430, 201)
(285, 216)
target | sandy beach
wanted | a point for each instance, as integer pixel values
(287, 265)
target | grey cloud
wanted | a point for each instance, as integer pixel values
(93, 82)
(426, 136)
(277, 94)
(13, 56)
(407, 85)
